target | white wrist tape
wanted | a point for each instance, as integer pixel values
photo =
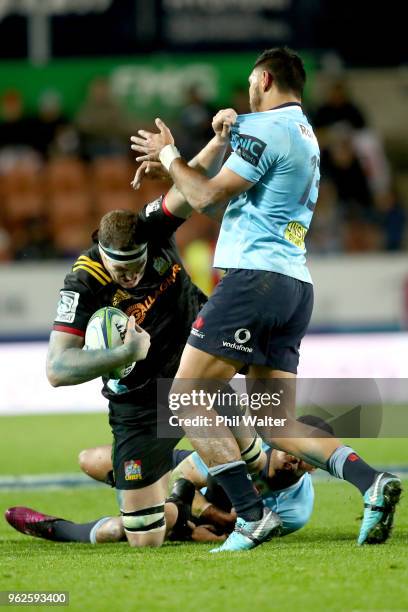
(168, 154)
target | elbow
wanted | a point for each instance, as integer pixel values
(209, 201)
(54, 377)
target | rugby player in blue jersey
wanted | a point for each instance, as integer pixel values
(260, 311)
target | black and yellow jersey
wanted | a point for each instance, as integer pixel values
(164, 303)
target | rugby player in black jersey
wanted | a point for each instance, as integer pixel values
(134, 265)
(282, 480)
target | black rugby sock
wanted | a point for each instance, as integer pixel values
(239, 487)
(65, 531)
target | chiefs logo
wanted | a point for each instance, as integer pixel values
(138, 311)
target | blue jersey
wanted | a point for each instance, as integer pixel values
(294, 504)
(264, 228)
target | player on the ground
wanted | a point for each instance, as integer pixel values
(283, 481)
(260, 311)
(134, 266)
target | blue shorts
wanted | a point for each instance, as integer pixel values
(255, 317)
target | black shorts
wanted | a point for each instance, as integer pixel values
(255, 317)
(139, 457)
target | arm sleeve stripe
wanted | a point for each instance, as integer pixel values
(93, 273)
(69, 330)
(166, 210)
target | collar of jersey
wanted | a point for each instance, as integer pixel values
(285, 105)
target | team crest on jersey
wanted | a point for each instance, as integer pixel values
(161, 265)
(152, 207)
(248, 147)
(133, 469)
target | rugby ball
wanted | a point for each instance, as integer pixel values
(106, 329)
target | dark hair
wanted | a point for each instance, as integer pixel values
(286, 67)
(117, 229)
(317, 423)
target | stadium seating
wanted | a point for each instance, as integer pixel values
(22, 194)
(71, 195)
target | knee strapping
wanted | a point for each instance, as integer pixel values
(145, 520)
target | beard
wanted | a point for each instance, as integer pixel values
(255, 101)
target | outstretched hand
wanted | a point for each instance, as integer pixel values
(150, 144)
(153, 170)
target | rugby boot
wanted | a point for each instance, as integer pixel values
(30, 522)
(380, 501)
(249, 534)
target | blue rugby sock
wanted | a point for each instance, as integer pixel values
(346, 464)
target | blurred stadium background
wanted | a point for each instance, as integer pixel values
(78, 77)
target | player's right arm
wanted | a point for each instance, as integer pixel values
(68, 364)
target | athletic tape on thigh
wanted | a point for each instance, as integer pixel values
(141, 521)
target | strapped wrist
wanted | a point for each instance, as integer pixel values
(168, 154)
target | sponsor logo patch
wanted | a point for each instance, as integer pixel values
(242, 335)
(197, 333)
(197, 325)
(248, 147)
(119, 296)
(133, 469)
(140, 310)
(296, 233)
(237, 347)
(67, 306)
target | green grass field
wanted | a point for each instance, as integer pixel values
(320, 568)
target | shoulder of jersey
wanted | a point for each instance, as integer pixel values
(90, 269)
